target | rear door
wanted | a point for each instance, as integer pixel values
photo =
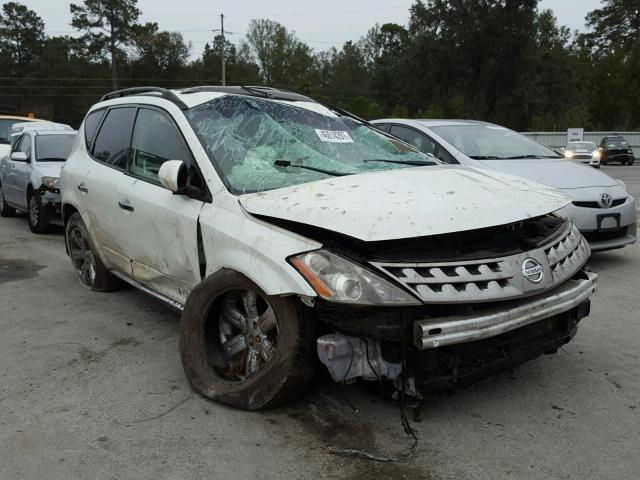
(99, 182)
(162, 228)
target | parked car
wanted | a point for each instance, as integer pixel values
(583, 152)
(601, 207)
(284, 229)
(6, 123)
(615, 148)
(29, 174)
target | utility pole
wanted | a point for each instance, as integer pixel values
(224, 45)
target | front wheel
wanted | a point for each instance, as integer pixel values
(5, 210)
(91, 271)
(244, 348)
(37, 215)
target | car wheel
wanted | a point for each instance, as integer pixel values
(244, 348)
(5, 210)
(36, 215)
(91, 271)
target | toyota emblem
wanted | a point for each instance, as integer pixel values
(605, 200)
(532, 270)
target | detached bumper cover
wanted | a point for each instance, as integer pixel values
(438, 332)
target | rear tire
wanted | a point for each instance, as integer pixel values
(36, 214)
(5, 210)
(227, 326)
(91, 271)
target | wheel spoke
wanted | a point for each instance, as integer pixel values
(249, 303)
(268, 351)
(252, 362)
(231, 314)
(85, 273)
(267, 321)
(233, 347)
(78, 254)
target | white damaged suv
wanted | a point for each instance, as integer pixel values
(286, 230)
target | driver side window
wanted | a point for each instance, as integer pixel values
(25, 146)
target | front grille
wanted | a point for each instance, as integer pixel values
(604, 236)
(567, 255)
(615, 203)
(581, 156)
(468, 281)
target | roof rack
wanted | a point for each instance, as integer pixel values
(251, 91)
(163, 92)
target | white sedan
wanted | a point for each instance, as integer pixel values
(601, 207)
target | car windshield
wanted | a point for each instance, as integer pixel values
(257, 144)
(616, 142)
(53, 148)
(5, 130)
(491, 142)
(581, 146)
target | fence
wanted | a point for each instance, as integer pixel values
(557, 140)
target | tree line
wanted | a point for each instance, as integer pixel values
(505, 61)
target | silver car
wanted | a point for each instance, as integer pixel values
(602, 208)
(583, 152)
(29, 173)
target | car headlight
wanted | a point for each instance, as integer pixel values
(339, 280)
(623, 185)
(596, 154)
(568, 154)
(51, 183)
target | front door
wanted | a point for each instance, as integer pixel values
(162, 228)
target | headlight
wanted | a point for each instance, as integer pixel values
(623, 185)
(339, 280)
(568, 154)
(51, 183)
(596, 154)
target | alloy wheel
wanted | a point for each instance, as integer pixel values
(248, 333)
(82, 256)
(34, 214)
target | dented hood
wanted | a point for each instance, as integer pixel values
(408, 202)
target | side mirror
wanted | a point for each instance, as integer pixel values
(173, 176)
(19, 157)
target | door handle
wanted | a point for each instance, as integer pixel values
(125, 205)
(82, 187)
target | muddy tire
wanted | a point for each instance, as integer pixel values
(5, 210)
(244, 348)
(91, 271)
(36, 215)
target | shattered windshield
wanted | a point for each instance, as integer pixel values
(259, 145)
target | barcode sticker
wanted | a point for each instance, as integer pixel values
(335, 136)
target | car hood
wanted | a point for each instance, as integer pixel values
(4, 150)
(408, 202)
(50, 169)
(557, 173)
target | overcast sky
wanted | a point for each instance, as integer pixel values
(320, 24)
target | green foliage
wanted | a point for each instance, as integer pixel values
(505, 61)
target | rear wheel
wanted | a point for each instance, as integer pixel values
(244, 348)
(36, 214)
(5, 210)
(91, 271)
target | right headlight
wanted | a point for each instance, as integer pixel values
(339, 280)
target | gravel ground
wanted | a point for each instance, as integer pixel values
(91, 386)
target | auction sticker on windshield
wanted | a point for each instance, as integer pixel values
(335, 136)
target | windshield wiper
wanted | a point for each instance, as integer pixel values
(417, 163)
(486, 157)
(287, 163)
(52, 159)
(517, 157)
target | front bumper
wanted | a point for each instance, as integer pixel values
(438, 332)
(594, 226)
(52, 206)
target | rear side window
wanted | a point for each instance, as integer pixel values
(111, 146)
(156, 139)
(91, 125)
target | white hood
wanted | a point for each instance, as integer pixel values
(408, 202)
(557, 173)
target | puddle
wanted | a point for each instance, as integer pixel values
(12, 270)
